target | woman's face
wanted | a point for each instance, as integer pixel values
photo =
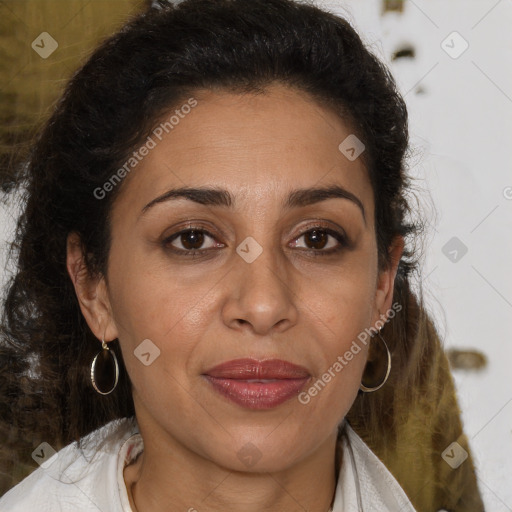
(261, 285)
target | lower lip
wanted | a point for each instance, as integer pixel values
(257, 395)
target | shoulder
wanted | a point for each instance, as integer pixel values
(77, 478)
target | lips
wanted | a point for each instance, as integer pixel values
(257, 384)
(245, 369)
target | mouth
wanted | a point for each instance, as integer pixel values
(257, 384)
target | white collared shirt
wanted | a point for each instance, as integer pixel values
(364, 483)
(91, 479)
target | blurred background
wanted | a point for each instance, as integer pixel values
(452, 65)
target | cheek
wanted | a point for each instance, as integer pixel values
(343, 308)
(173, 310)
(345, 316)
(345, 300)
(342, 350)
(147, 308)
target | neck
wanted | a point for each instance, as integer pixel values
(193, 483)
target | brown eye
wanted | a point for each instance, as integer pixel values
(316, 239)
(189, 241)
(320, 240)
(192, 239)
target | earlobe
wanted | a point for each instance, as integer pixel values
(91, 291)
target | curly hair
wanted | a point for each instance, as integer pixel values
(109, 106)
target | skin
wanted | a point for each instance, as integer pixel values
(201, 311)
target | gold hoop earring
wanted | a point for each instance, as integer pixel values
(109, 370)
(366, 389)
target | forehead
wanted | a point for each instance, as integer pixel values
(257, 146)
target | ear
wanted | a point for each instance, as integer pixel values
(91, 292)
(386, 280)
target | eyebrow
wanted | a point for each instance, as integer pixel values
(221, 197)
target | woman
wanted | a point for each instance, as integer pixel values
(212, 294)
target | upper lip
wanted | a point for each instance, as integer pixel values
(253, 369)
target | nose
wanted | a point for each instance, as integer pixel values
(261, 295)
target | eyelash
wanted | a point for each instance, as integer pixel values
(339, 236)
